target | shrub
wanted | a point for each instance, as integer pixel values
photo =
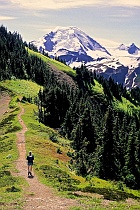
(130, 181)
(53, 138)
(59, 151)
(59, 178)
(12, 189)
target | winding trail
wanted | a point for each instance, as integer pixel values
(37, 195)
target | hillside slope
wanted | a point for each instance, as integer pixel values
(55, 169)
(62, 72)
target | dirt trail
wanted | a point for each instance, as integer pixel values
(37, 195)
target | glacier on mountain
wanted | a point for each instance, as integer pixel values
(75, 47)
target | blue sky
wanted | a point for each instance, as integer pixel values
(114, 20)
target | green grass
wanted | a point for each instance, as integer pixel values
(11, 193)
(21, 87)
(126, 106)
(53, 63)
(98, 88)
(38, 140)
(98, 92)
(53, 168)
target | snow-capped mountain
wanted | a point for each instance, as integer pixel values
(75, 47)
(71, 45)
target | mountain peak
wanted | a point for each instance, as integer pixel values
(69, 30)
(122, 47)
(63, 28)
(73, 42)
(133, 49)
(132, 45)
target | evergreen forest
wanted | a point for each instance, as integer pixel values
(105, 139)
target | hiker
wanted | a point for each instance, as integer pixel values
(30, 159)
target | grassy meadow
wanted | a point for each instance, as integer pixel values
(11, 194)
(52, 161)
(53, 63)
(126, 106)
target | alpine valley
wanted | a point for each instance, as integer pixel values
(74, 47)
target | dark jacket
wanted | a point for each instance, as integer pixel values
(30, 159)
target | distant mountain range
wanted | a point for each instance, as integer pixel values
(75, 47)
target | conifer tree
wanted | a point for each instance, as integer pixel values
(130, 161)
(107, 171)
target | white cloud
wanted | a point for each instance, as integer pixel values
(51, 4)
(59, 4)
(54, 4)
(127, 3)
(6, 18)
